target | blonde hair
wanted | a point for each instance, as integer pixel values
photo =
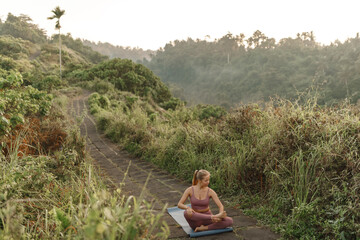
(199, 175)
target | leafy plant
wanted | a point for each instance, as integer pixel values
(289, 154)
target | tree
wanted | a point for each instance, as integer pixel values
(22, 27)
(229, 44)
(258, 39)
(58, 13)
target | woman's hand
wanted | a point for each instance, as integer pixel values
(215, 219)
(189, 211)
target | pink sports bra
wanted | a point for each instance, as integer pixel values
(200, 205)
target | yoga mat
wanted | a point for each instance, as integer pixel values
(178, 215)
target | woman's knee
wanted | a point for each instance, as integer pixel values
(186, 215)
(229, 221)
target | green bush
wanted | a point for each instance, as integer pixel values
(7, 63)
(12, 80)
(104, 120)
(173, 103)
(210, 111)
(102, 86)
(76, 206)
(61, 195)
(125, 75)
(47, 83)
(286, 153)
(104, 102)
(17, 102)
(10, 46)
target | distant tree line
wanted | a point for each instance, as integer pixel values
(235, 69)
(107, 49)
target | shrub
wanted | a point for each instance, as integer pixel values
(104, 119)
(125, 75)
(287, 153)
(104, 102)
(210, 111)
(7, 63)
(47, 83)
(18, 102)
(102, 86)
(173, 103)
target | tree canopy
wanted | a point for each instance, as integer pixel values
(22, 27)
(233, 69)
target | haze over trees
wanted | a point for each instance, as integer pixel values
(107, 49)
(235, 69)
(293, 166)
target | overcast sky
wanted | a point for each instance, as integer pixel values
(150, 24)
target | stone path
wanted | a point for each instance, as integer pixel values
(161, 188)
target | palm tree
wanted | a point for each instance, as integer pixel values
(58, 14)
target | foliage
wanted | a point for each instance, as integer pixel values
(49, 189)
(47, 83)
(22, 27)
(57, 13)
(290, 154)
(64, 197)
(173, 103)
(12, 47)
(22, 48)
(17, 101)
(48, 59)
(210, 111)
(233, 70)
(61, 195)
(126, 75)
(293, 164)
(112, 51)
(78, 45)
(6, 63)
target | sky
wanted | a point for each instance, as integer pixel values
(150, 24)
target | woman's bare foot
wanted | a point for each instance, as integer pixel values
(201, 228)
(221, 215)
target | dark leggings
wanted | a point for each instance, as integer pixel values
(198, 219)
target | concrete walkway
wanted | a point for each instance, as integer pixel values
(161, 189)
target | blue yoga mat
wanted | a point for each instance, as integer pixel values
(178, 215)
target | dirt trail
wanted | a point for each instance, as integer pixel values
(162, 188)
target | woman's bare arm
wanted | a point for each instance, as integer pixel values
(181, 203)
(216, 199)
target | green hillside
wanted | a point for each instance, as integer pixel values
(26, 48)
(235, 69)
(49, 188)
(291, 161)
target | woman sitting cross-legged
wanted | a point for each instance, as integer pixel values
(199, 215)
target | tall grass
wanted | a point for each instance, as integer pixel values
(62, 196)
(300, 158)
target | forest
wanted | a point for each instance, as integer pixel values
(276, 124)
(107, 49)
(235, 70)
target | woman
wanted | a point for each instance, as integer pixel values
(199, 215)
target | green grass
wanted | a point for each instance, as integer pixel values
(60, 195)
(295, 156)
